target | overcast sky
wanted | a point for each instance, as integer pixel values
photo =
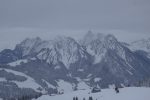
(127, 19)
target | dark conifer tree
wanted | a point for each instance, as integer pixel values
(76, 98)
(90, 98)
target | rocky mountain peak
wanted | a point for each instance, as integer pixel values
(29, 45)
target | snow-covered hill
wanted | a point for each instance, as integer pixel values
(128, 93)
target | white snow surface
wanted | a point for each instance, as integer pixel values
(64, 86)
(97, 79)
(128, 93)
(80, 70)
(18, 62)
(89, 75)
(129, 72)
(111, 86)
(48, 84)
(82, 86)
(2, 79)
(57, 67)
(29, 83)
(33, 58)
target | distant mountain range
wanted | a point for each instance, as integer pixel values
(64, 64)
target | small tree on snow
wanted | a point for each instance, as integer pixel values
(117, 89)
(76, 98)
(90, 98)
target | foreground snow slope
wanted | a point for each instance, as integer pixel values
(131, 93)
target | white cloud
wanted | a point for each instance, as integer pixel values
(127, 19)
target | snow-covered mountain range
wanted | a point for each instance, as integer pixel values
(143, 44)
(64, 64)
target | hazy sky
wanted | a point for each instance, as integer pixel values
(127, 19)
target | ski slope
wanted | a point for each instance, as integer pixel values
(128, 93)
(29, 83)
